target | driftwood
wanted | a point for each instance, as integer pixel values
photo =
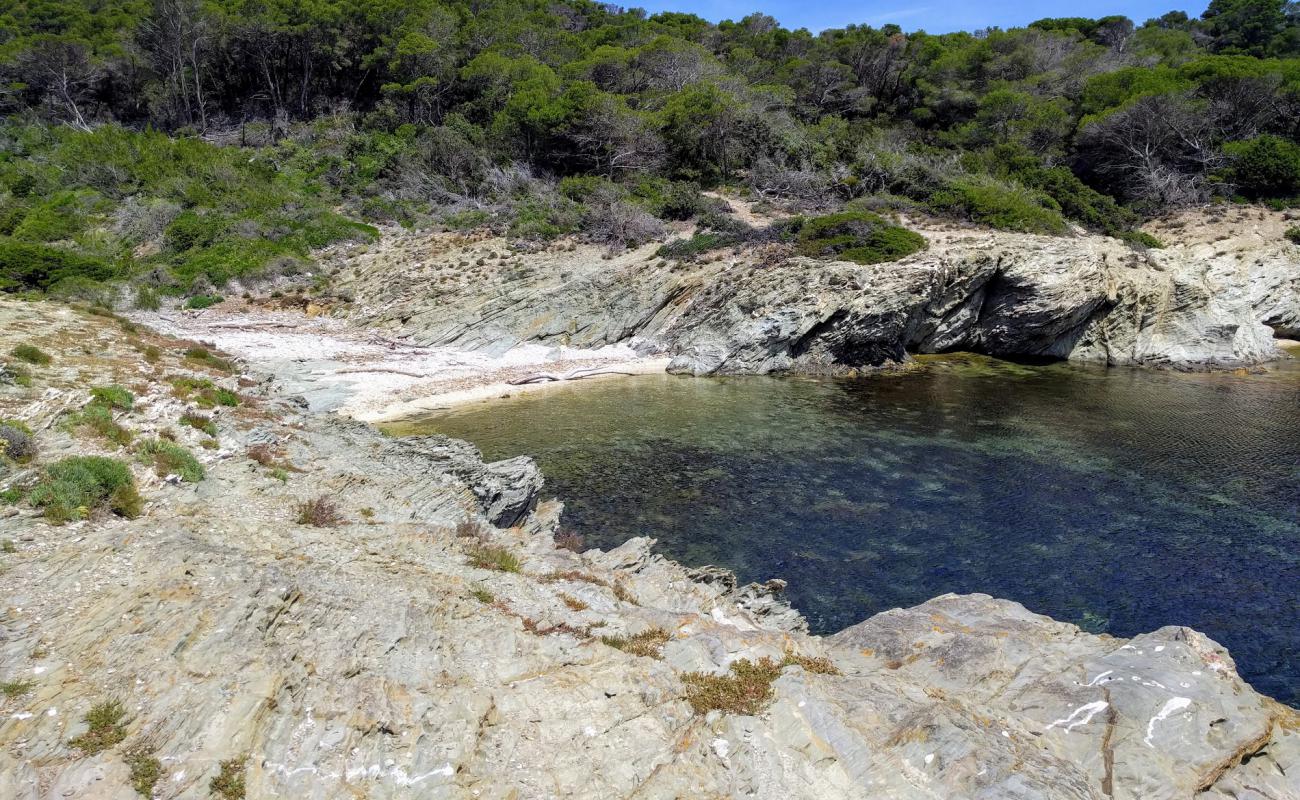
(577, 374)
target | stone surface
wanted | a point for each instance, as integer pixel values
(374, 659)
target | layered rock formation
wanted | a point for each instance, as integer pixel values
(1214, 298)
(383, 658)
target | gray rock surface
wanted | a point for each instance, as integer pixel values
(378, 659)
(1213, 298)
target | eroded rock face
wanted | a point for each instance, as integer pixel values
(1213, 298)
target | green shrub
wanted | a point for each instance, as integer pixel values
(32, 355)
(1293, 234)
(146, 299)
(857, 236)
(1139, 238)
(999, 206)
(170, 458)
(199, 301)
(106, 728)
(1265, 166)
(113, 396)
(75, 486)
(697, 245)
(25, 266)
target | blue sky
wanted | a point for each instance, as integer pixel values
(935, 16)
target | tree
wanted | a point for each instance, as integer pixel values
(1245, 26)
(63, 75)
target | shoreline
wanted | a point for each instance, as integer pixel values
(360, 374)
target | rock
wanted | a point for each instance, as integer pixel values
(507, 490)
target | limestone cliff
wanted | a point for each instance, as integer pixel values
(1215, 297)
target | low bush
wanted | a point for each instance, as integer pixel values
(321, 512)
(857, 236)
(1293, 234)
(17, 442)
(106, 728)
(490, 556)
(25, 266)
(170, 458)
(74, 487)
(32, 355)
(999, 206)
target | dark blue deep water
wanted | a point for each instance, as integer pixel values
(1121, 500)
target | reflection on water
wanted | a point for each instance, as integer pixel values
(1121, 500)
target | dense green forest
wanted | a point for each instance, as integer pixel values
(190, 141)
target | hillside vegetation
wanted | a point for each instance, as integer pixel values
(182, 143)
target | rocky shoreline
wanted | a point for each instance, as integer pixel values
(434, 641)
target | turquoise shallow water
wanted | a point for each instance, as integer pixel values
(1121, 500)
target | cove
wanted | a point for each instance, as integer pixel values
(1120, 500)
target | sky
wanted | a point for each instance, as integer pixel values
(934, 16)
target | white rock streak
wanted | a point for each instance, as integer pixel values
(1080, 716)
(1171, 707)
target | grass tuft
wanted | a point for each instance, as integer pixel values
(16, 688)
(75, 486)
(491, 556)
(200, 422)
(170, 458)
(201, 355)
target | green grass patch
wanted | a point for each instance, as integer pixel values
(16, 688)
(31, 354)
(170, 458)
(97, 419)
(113, 396)
(75, 486)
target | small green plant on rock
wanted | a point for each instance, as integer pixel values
(321, 512)
(482, 595)
(200, 301)
(145, 768)
(169, 458)
(32, 355)
(200, 422)
(75, 486)
(648, 643)
(228, 783)
(106, 728)
(747, 687)
(16, 688)
(491, 556)
(8, 546)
